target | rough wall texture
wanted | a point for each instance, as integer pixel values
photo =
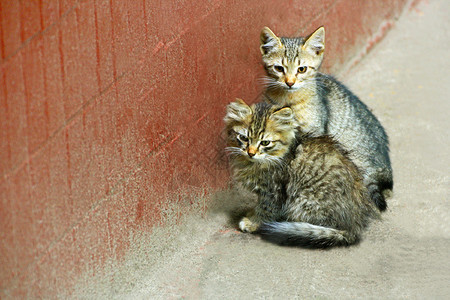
(110, 112)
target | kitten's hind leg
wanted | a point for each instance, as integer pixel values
(386, 188)
(385, 181)
(379, 183)
(387, 193)
(377, 196)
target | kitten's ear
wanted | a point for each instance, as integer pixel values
(284, 116)
(315, 43)
(240, 101)
(269, 41)
(237, 111)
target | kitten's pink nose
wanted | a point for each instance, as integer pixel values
(290, 83)
(251, 151)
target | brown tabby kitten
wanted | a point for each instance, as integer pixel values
(309, 192)
(323, 105)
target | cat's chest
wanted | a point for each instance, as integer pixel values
(266, 181)
(308, 108)
(303, 96)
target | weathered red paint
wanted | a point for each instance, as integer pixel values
(109, 110)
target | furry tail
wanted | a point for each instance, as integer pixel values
(305, 234)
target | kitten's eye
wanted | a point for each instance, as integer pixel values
(279, 68)
(265, 143)
(243, 138)
(302, 69)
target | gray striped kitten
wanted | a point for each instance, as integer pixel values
(325, 106)
(309, 192)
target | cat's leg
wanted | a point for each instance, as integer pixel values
(382, 175)
(379, 183)
(377, 196)
(385, 181)
(267, 210)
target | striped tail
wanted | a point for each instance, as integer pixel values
(306, 235)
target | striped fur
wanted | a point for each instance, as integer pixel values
(307, 235)
(325, 106)
(309, 192)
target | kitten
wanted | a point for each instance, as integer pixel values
(309, 192)
(325, 106)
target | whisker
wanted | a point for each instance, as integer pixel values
(234, 151)
(269, 83)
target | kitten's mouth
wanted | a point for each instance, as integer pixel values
(253, 159)
(291, 89)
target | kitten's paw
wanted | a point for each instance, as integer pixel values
(387, 193)
(248, 226)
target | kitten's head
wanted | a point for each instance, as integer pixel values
(260, 133)
(291, 62)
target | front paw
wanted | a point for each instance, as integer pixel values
(246, 225)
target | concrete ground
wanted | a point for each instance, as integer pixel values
(405, 80)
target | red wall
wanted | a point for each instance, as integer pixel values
(111, 110)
